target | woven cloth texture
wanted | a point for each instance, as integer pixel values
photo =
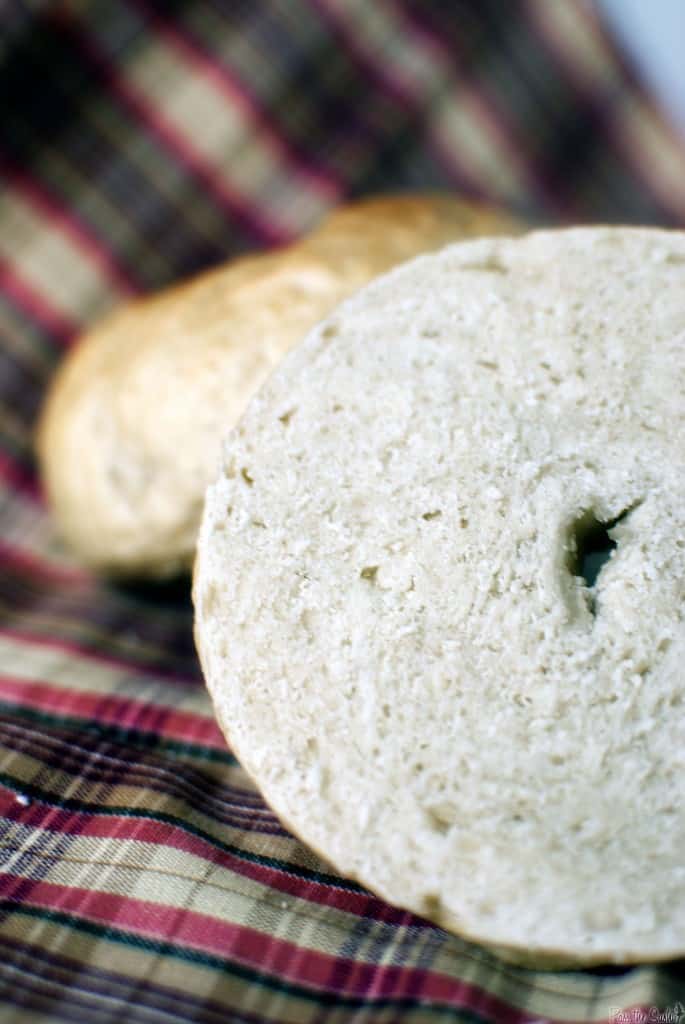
(143, 879)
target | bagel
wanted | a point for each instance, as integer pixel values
(397, 622)
(131, 431)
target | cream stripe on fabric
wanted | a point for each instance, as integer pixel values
(220, 132)
(36, 247)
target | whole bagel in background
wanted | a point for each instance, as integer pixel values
(131, 432)
(389, 574)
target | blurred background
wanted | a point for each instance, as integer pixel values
(139, 143)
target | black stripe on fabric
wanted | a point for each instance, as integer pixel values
(42, 967)
(298, 871)
(16, 450)
(48, 101)
(335, 103)
(16, 18)
(73, 749)
(22, 468)
(559, 132)
(127, 736)
(88, 754)
(163, 608)
(27, 339)
(314, 96)
(575, 151)
(239, 210)
(401, 160)
(467, 54)
(231, 806)
(60, 1002)
(61, 86)
(21, 386)
(126, 620)
(412, 117)
(494, 56)
(36, 621)
(253, 977)
(277, 36)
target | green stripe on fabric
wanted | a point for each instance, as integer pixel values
(216, 963)
(81, 807)
(141, 738)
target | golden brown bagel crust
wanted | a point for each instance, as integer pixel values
(131, 430)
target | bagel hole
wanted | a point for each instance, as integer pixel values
(590, 547)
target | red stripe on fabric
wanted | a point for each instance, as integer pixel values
(71, 225)
(485, 103)
(20, 478)
(125, 712)
(47, 817)
(400, 87)
(34, 304)
(28, 561)
(238, 205)
(327, 184)
(83, 753)
(262, 952)
(360, 904)
(61, 644)
(81, 984)
(641, 161)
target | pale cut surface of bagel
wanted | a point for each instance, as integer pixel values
(389, 609)
(131, 432)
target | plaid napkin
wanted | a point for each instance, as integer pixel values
(143, 879)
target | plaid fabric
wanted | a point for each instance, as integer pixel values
(143, 880)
